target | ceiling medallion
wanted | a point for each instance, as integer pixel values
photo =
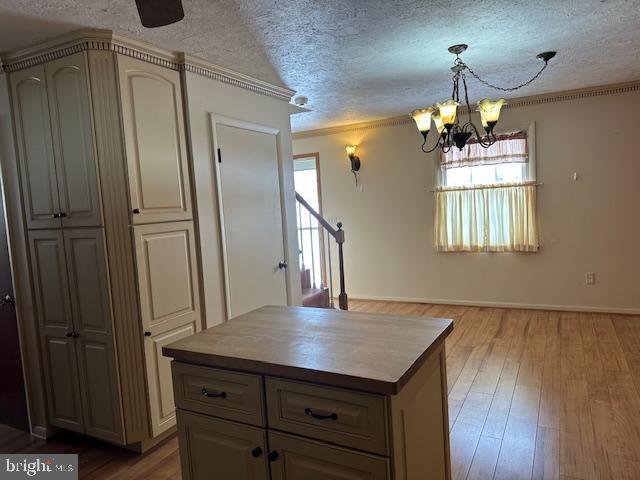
(445, 114)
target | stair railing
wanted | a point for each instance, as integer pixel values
(337, 234)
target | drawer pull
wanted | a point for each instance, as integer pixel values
(273, 456)
(308, 412)
(256, 452)
(214, 395)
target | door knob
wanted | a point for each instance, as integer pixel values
(282, 264)
(7, 300)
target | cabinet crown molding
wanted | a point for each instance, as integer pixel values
(94, 39)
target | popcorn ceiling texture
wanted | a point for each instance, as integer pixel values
(359, 60)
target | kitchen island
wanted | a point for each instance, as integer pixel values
(292, 393)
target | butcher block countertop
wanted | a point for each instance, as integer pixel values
(361, 351)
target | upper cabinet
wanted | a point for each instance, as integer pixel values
(73, 144)
(55, 144)
(155, 142)
(35, 148)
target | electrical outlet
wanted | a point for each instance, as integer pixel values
(590, 278)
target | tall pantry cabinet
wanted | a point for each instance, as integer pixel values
(107, 202)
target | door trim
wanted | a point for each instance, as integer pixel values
(253, 127)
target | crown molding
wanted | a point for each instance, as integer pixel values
(93, 39)
(512, 103)
(215, 72)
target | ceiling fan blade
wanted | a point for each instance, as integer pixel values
(158, 13)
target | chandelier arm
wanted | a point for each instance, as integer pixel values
(479, 137)
(507, 89)
(434, 147)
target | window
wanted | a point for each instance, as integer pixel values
(486, 198)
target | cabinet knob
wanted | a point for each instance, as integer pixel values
(68, 334)
(63, 215)
(273, 456)
(282, 264)
(76, 334)
(55, 215)
(136, 211)
(256, 452)
(147, 334)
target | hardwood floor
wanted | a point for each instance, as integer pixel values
(537, 394)
(532, 394)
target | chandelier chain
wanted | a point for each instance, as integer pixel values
(506, 89)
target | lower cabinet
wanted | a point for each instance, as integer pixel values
(296, 459)
(75, 319)
(211, 448)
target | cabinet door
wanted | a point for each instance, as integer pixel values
(167, 275)
(153, 121)
(91, 306)
(35, 148)
(54, 316)
(212, 448)
(169, 306)
(72, 133)
(162, 410)
(309, 460)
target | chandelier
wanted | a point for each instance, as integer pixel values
(444, 115)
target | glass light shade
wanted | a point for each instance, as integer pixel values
(490, 111)
(422, 117)
(448, 111)
(437, 120)
(351, 149)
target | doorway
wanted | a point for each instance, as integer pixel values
(13, 401)
(306, 175)
(251, 215)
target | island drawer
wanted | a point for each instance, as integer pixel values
(221, 393)
(344, 417)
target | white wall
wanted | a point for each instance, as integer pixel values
(592, 224)
(206, 96)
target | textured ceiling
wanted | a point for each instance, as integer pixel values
(360, 60)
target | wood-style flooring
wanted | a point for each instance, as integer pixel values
(532, 394)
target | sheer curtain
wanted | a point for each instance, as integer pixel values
(497, 217)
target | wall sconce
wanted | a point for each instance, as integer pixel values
(355, 160)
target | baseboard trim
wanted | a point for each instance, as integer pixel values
(525, 306)
(39, 432)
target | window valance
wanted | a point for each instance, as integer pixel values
(510, 148)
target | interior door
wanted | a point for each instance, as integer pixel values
(53, 306)
(91, 306)
(212, 448)
(13, 402)
(249, 195)
(35, 148)
(72, 134)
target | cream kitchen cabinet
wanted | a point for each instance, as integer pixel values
(75, 319)
(153, 119)
(169, 305)
(56, 148)
(105, 181)
(335, 395)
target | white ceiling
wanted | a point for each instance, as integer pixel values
(360, 60)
